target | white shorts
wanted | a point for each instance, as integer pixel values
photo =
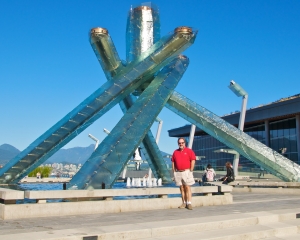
(184, 178)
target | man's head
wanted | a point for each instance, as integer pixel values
(181, 143)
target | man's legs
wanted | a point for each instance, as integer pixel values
(188, 193)
(185, 189)
(183, 193)
(183, 196)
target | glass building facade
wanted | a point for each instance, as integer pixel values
(282, 138)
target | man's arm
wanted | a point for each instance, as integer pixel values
(193, 159)
(192, 165)
(173, 167)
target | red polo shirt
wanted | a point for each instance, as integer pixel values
(182, 159)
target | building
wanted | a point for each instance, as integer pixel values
(277, 125)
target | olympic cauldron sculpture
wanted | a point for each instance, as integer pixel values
(152, 71)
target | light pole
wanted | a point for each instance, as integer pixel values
(96, 140)
(240, 92)
(106, 131)
(160, 123)
(192, 134)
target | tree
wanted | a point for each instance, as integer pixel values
(45, 171)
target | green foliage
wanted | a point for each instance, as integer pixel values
(44, 171)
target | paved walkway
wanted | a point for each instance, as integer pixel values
(83, 224)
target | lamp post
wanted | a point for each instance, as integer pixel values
(160, 123)
(96, 140)
(191, 137)
(240, 92)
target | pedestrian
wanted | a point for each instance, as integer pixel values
(208, 174)
(183, 162)
(229, 174)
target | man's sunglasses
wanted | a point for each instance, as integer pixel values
(181, 142)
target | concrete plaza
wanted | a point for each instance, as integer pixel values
(252, 216)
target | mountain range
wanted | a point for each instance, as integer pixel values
(7, 152)
(76, 155)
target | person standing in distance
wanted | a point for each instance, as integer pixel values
(183, 162)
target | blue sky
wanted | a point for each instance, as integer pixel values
(47, 66)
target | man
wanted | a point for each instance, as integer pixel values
(183, 162)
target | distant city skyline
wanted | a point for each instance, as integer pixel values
(48, 67)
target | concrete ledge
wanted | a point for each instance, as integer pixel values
(17, 211)
(10, 196)
(266, 184)
(222, 188)
(225, 188)
(266, 190)
(69, 194)
(242, 177)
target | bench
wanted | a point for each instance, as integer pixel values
(108, 194)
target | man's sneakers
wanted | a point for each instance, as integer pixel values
(189, 207)
(183, 205)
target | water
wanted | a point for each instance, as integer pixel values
(40, 186)
(59, 186)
